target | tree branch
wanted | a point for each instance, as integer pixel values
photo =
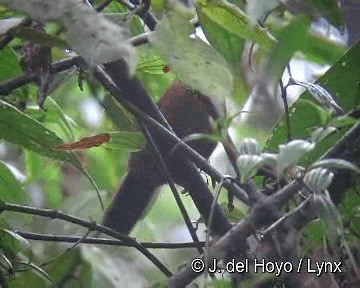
(132, 92)
(235, 240)
(175, 192)
(104, 241)
(92, 226)
(264, 213)
(59, 66)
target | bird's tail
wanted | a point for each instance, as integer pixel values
(129, 203)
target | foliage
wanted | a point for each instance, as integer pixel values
(71, 155)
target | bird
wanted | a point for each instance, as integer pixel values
(188, 112)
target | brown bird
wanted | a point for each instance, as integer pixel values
(187, 112)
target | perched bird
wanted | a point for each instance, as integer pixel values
(187, 112)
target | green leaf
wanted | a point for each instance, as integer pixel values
(10, 66)
(321, 95)
(318, 179)
(220, 36)
(343, 81)
(102, 263)
(118, 114)
(54, 118)
(248, 165)
(322, 50)
(329, 214)
(210, 73)
(64, 121)
(133, 141)
(350, 210)
(6, 264)
(249, 146)
(63, 266)
(40, 37)
(51, 182)
(343, 121)
(335, 163)
(99, 160)
(18, 128)
(11, 190)
(291, 153)
(313, 234)
(321, 133)
(13, 243)
(235, 215)
(152, 64)
(220, 18)
(42, 273)
(290, 40)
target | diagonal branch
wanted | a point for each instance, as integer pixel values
(181, 147)
(104, 241)
(132, 92)
(235, 240)
(92, 226)
(264, 213)
(173, 189)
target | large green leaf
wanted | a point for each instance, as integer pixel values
(51, 182)
(221, 37)
(341, 80)
(11, 189)
(316, 48)
(290, 153)
(350, 210)
(10, 66)
(62, 267)
(210, 73)
(290, 40)
(322, 50)
(13, 244)
(18, 128)
(226, 26)
(29, 34)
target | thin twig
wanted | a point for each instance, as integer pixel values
(262, 214)
(172, 138)
(92, 226)
(208, 230)
(286, 216)
(175, 192)
(59, 66)
(67, 250)
(5, 40)
(286, 107)
(103, 5)
(148, 18)
(104, 241)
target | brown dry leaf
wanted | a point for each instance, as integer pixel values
(86, 142)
